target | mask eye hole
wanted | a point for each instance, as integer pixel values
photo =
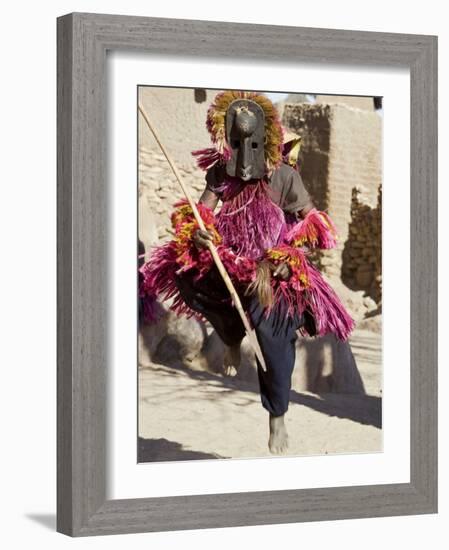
(254, 145)
(235, 144)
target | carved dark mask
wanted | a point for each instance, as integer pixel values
(245, 134)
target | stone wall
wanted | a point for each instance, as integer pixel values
(179, 115)
(159, 191)
(362, 254)
(313, 124)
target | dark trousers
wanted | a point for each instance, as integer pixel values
(276, 333)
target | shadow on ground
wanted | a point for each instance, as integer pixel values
(361, 408)
(157, 450)
(232, 384)
(46, 520)
(364, 409)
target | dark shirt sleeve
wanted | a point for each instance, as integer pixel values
(214, 179)
(295, 197)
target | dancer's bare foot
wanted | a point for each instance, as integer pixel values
(231, 360)
(278, 442)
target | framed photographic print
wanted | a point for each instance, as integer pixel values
(246, 274)
(198, 369)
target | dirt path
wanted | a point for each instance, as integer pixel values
(187, 414)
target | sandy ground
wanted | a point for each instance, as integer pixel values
(187, 414)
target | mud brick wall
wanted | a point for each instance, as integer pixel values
(341, 150)
(359, 102)
(179, 115)
(362, 254)
(313, 124)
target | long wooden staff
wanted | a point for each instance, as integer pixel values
(221, 268)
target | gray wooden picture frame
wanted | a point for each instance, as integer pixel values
(83, 40)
